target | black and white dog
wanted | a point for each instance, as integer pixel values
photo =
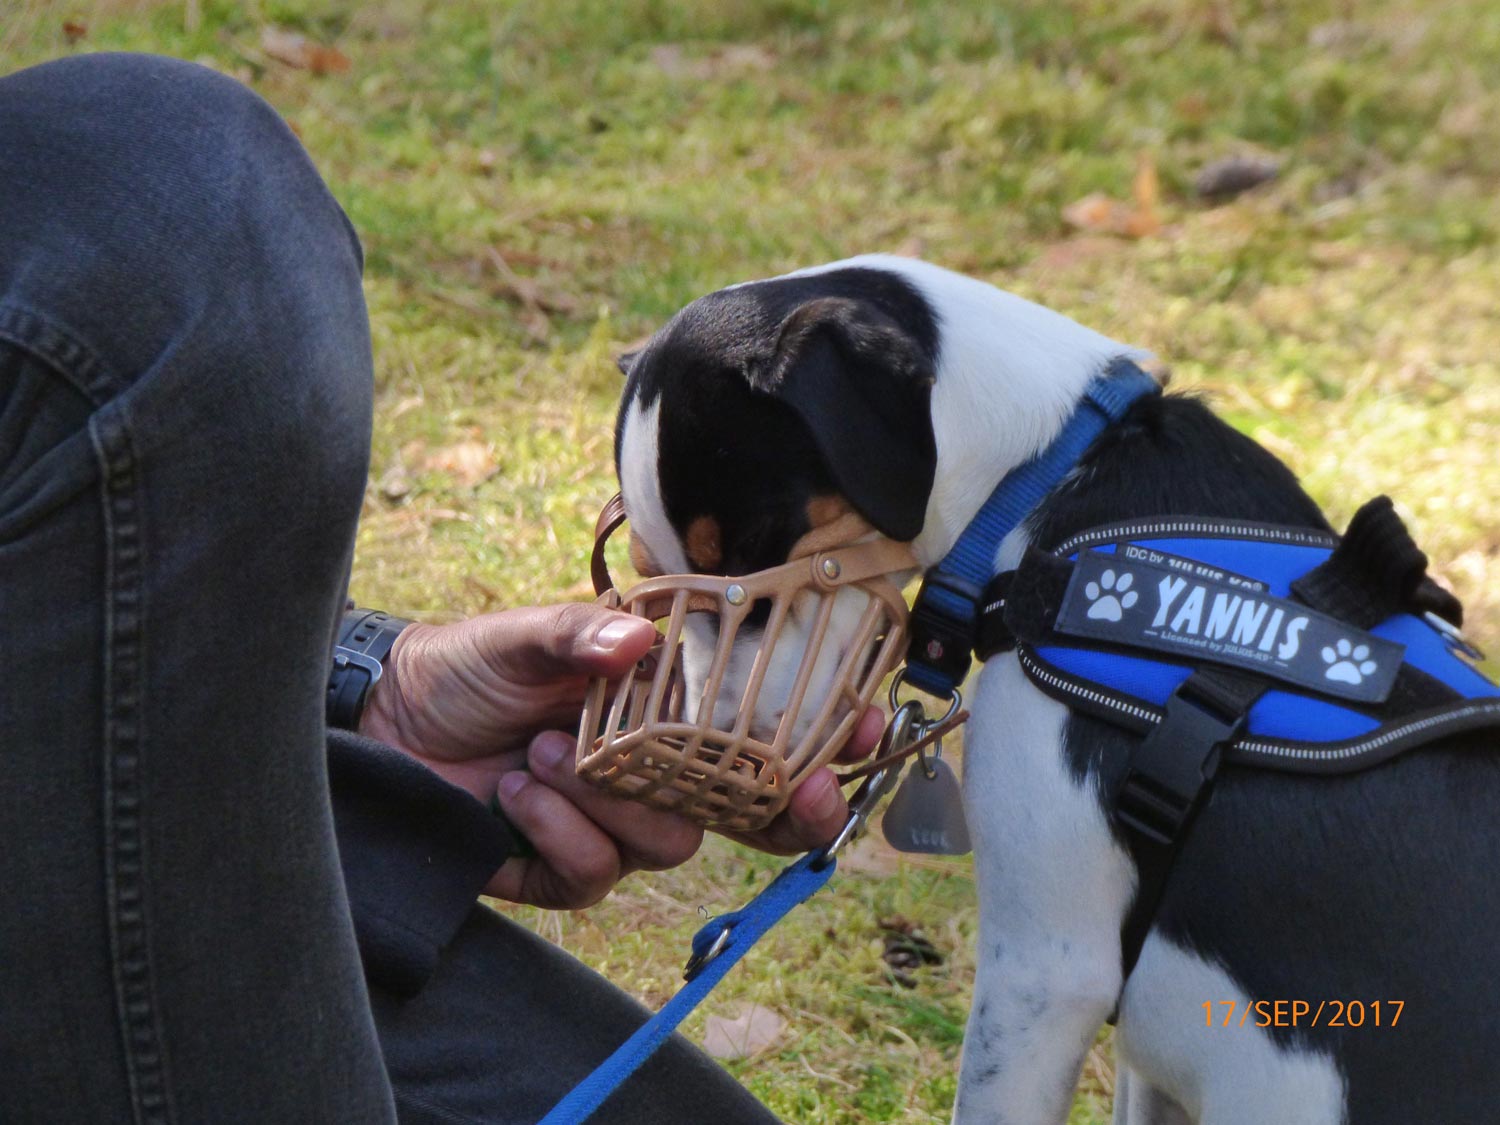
(907, 392)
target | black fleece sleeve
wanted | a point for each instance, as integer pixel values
(416, 852)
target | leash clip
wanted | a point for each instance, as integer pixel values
(696, 962)
(906, 726)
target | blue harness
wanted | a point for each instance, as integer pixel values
(1210, 592)
(1278, 647)
(1213, 640)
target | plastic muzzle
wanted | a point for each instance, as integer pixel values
(643, 738)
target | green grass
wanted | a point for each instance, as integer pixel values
(623, 156)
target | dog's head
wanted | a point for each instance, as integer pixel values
(765, 412)
(877, 400)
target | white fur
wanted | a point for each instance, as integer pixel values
(1053, 884)
(1009, 374)
(781, 672)
(641, 487)
(1235, 1075)
(1052, 889)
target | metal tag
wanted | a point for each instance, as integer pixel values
(926, 815)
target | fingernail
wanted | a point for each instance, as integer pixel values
(615, 633)
(513, 782)
(550, 750)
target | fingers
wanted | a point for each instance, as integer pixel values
(586, 840)
(866, 736)
(813, 817)
(542, 643)
(576, 863)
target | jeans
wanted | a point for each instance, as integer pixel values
(185, 400)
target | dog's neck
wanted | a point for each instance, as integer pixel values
(1009, 375)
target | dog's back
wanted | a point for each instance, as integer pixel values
(1369, 897)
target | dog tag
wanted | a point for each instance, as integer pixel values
(927, 814)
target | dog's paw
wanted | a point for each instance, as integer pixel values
(1347, 663)
(1110, 597)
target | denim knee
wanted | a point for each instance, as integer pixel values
(140, 195)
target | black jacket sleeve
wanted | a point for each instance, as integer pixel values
(416, 852)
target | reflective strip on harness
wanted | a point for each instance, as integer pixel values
(1219, 594)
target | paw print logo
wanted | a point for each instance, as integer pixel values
(1347, 663)
(1110, 597)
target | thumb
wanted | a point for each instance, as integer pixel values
(544, 643)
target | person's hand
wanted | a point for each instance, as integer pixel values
(475, 702)
(818, 809)
(472, 702)
(468, 698)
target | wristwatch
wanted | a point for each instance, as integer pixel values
(366, 638)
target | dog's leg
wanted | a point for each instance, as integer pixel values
(1137, 1102)
(1053, 888)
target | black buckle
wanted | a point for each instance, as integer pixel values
(993, 634)
(940, 640)
(1173, 765)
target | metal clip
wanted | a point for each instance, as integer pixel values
(937, 752)
(1454, 636)
(906, 726)
(696, 962)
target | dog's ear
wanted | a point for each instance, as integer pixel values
(626, 362)
(863, 386)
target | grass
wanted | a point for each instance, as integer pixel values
(540, 185)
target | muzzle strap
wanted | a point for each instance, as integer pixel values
(611, 516)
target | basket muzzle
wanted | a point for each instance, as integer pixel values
(754, 680)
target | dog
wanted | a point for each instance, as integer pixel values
(904, 392)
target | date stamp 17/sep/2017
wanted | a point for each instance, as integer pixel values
(1301, 1013)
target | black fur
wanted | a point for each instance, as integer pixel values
(1372, 886)
(743, 372)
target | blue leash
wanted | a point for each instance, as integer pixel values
(717, 948)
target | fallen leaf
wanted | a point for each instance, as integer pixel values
(75, 30)
(749, 1033)
(296, 50)
(737, 58)
(1224, 179)
(395, 484)
(469, 463)
(329, 60)
(870, 855)
(1099, 214)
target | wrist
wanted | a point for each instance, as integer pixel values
(389, 717)
(361, 659)
(386, 715)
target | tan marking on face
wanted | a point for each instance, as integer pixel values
(825, 509)
(640, 558)
(704, 549)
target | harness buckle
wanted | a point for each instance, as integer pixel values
(1173, 765)
(940, 631)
